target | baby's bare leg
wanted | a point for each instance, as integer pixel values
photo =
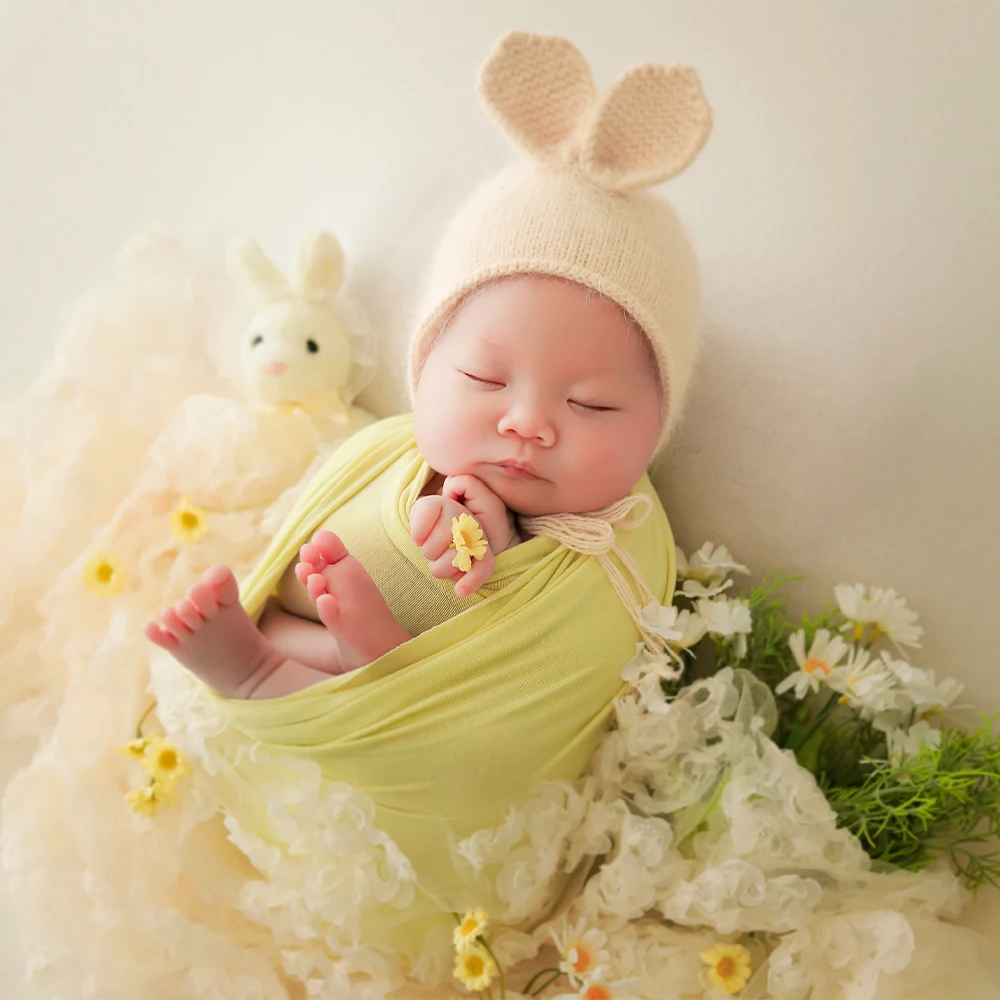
(210, 634)
(310, 643)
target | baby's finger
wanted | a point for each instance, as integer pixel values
(442, 568)
(440, 537)
(423, 518)
(481, 571)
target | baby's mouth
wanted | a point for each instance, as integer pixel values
(516, 471)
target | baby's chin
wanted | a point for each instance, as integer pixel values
(533, 498)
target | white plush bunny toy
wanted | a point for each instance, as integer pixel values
(308, 348)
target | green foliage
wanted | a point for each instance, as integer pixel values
(943, 801)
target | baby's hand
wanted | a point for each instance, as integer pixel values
(430, 528)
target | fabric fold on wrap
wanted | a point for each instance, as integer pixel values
(448, 730)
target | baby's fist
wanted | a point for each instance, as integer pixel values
(430, 528)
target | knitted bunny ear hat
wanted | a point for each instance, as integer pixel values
(574, 207)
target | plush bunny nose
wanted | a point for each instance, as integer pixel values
(274, 367)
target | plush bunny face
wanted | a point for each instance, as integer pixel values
(296, 352)
(298, 348)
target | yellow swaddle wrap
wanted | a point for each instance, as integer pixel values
(449, 729)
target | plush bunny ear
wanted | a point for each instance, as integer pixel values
(321, 264)
(648, 127)
(538, 89)
(247, 261)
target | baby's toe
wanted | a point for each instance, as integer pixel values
(190, 615)
(173, 623)
(310, 554)
(315, 586)
(221, 582)
(204, 600)
(330, 546)
(158, 635)
(303, 571)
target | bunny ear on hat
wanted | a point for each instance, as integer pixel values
(538, 89)
(649, 126)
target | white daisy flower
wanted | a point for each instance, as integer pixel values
(907, 744)
(922, 687)
(864, 683)
(597, 987)
(693, 589)
(661, 620)
(709, 563)
(692, 627)
(883, 609)
(726, 618)
(582, 950)
(825, 653)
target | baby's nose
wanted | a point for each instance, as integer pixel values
(274, 367)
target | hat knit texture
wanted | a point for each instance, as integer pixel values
(575, 207)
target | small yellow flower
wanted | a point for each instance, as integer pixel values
(474, 967)
(189, 522)
(473, 924)
(147, 799)
(730, 966)
(164, 762)
(136, 749)
(104, 575)
(468, 539)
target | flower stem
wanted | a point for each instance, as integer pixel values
(503, 992)
(138, 728)
(545, 985)
(796, 738)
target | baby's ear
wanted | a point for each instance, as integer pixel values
(321, 264)
(538, 89)
(648, 127)
(246, 260)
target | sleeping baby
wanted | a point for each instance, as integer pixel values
(550, 366)
(537, 397)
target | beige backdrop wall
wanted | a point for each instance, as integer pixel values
(846, 417)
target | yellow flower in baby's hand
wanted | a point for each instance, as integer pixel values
(468, 539)
(730, 966)
(474, 967)
(164, 762)
(189, 523)
(473, 924)
(147, 799)
(104, 575)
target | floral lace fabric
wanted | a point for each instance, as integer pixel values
(691, 827)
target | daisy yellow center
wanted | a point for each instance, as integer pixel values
(859, 631)
(596, 992)
(166, 760)
(726, 967)
(811, 666)
(582, 962)
(474, 965)
(189, 519)
(469, 925)
(105, 572)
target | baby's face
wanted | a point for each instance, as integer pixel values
(542, 372)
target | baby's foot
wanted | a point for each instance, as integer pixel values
(349, 603)
(210, 634)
